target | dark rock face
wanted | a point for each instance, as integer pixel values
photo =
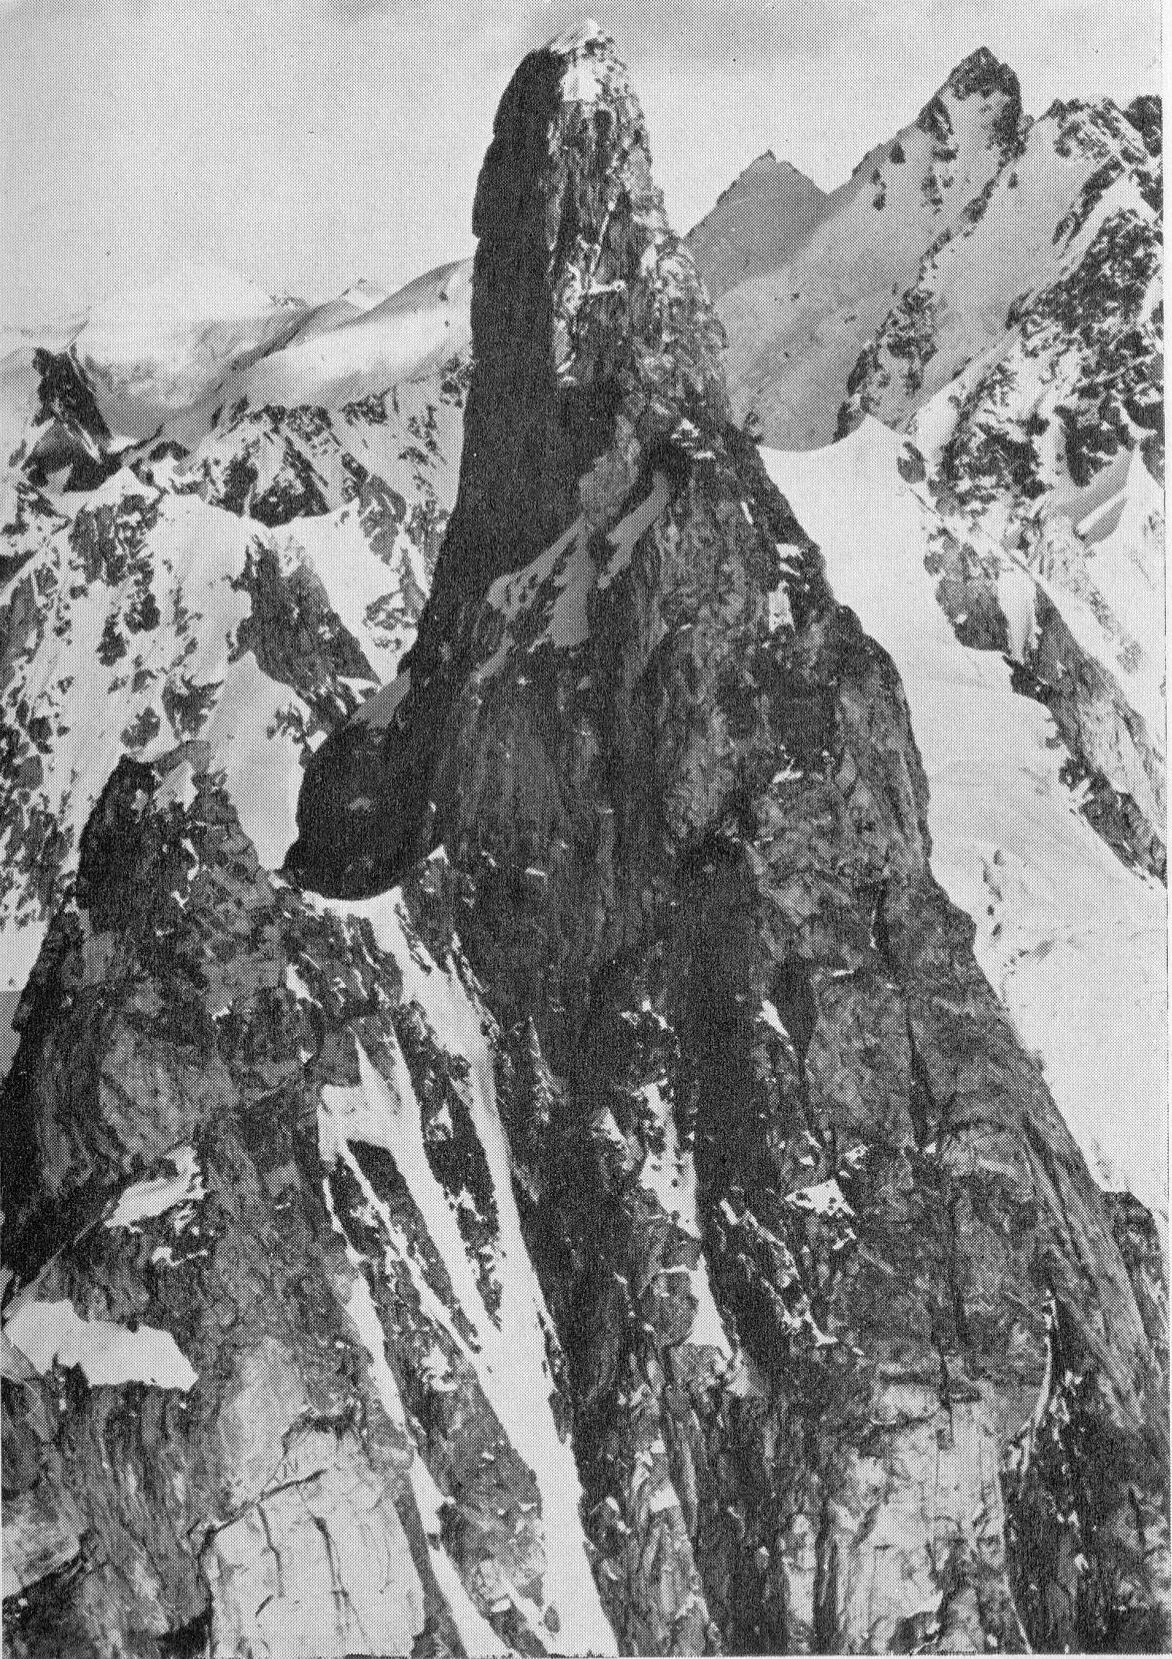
(75, 435)
(296, 637)
(237, 1479)
(589, 320)
(1146, 114)
(854, 1347)
(982, 75)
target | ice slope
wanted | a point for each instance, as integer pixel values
(1071, 939)
(795, 332)
(153, 351)
(405, 336)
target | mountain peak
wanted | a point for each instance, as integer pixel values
(758, 222)
(981, 74)
(582, 299)
(591, 65)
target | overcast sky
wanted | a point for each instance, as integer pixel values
(309, 142)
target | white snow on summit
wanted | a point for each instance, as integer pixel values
(153, 351)
(398, 338)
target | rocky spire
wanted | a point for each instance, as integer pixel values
(586, 315)
(778, 1140)
(593, 340)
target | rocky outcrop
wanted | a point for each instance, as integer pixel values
(1114, 766)
(69, 435)
(823, 1258)
(264, 1390)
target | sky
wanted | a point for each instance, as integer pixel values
(306, 143)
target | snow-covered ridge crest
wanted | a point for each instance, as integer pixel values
(571, 41)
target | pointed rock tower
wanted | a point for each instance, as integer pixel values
(843, 1311)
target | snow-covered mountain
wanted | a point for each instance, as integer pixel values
(796, 330)
(565, 1029)
(221, 526)
(992, 285)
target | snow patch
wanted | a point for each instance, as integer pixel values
(628, 530)
(824, 1199)
(49, 1333)
(147, 1199)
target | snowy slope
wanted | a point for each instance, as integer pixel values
(1081, 166)
(758, 225)
(794, 332)
(336, 359)
(246, 575)
(156, 350)
(1070, 938)
(1051, 437)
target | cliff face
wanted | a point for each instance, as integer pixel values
(592, 1197)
